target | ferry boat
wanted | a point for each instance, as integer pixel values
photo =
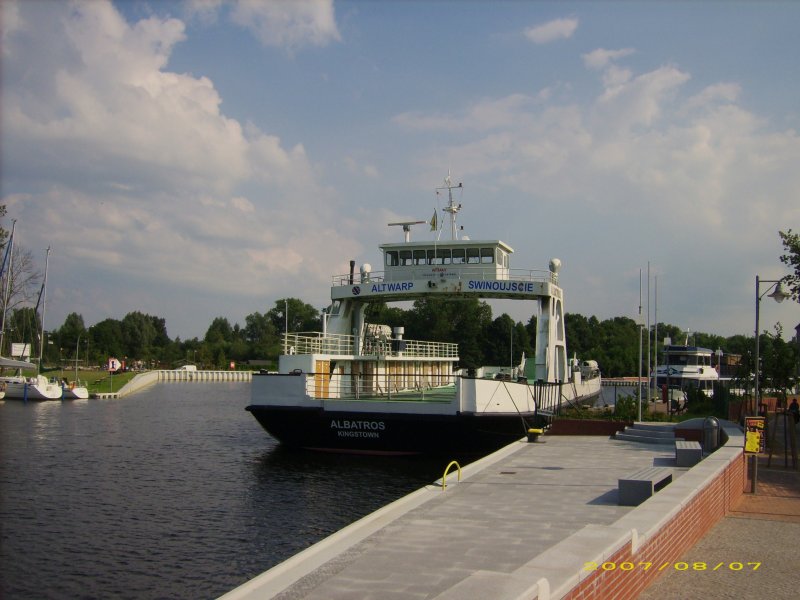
(362, 387)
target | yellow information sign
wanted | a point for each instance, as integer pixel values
(754, 435)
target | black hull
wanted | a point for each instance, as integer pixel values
(391, 433)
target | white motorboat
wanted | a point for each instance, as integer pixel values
(684, 368)
(73, 390)
(361, 387)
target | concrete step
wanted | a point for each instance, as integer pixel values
(647, 426)
(647, 432)
(646, 439)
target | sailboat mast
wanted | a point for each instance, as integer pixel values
(8, 270)
(44, 308)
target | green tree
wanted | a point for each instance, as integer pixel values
(778, 362)
(138, 335)
(106, 340)
(464, 322)
(791, 258)
(302, 316)
(261, 337)
(69, 333)
(219, 332)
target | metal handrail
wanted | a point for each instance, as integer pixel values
(418, 387)
(444, 477)
(455, 272)
(319, 343)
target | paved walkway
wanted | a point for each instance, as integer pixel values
(762, 528)
(497, 519)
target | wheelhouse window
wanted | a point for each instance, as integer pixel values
(392, 259)
(502, 258)
(437, 257)
(420, 257)
(459, 256)
(405, 258)
(487, 256)
(473, 256)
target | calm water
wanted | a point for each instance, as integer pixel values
(175, 492)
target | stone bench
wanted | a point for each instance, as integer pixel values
(688, 454)
(639, 486)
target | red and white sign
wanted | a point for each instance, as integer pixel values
(113, 365)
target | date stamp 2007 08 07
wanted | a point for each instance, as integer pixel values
(677, 566)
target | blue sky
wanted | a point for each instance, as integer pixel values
(202, 159)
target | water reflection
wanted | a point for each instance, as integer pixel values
(174, 492)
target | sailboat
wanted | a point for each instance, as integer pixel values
(30, 388)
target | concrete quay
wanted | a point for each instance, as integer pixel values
(143, 380)
(533, 520)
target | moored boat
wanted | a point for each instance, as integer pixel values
(73, 390)
(362, 387)
(686, 367)
(19, 387)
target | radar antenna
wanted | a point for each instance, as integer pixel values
(452, 208)
(406, 228)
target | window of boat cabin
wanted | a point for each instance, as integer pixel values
(473, 256)
(420, 257)
(392, 259)
(406, 258)
(439, 256)
(487, 256)
(459, 256)
(502, 258)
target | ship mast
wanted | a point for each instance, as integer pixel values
(44, 306)
(7, 270)
(452, 208)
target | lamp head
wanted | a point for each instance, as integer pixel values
(779, 294)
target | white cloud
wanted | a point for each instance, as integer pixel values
(132, 172)
(698, 166)
(551, 31)
(601, 58)
(288, 24)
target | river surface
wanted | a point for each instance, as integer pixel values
(175, 492)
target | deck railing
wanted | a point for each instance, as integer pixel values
(338, 344)
(428, 387)
(453, 273)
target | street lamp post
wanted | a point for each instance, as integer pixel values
(779, 295)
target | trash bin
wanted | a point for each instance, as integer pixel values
(710, 434)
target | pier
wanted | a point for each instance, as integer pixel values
(533, 520)
(149, 378)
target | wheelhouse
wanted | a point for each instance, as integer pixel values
(427, 260)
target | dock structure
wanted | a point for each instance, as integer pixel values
(143, 380)
(533, 520)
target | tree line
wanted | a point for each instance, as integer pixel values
(143, 342)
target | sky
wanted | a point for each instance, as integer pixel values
(203, 159)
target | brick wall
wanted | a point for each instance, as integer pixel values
(670, 543)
